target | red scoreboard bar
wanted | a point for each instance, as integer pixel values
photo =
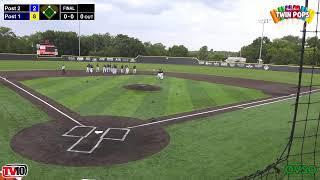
(35, 12)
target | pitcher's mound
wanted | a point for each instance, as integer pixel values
(142, 87)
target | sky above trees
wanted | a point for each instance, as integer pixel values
(219, 24)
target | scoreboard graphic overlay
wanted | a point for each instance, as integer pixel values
(35, 12)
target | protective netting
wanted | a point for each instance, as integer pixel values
(301, 155)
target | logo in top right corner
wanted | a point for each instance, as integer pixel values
(292, 12)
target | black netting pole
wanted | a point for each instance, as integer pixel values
(299, 81)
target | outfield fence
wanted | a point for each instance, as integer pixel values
(189, 61)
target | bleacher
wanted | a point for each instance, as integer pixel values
(166, 60)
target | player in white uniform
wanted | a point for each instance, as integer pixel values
(91, 68)
(98, 68)
(160, 74)
(121, 69)
(104, 69)
(63, 69)
(88, 68)
(108, 68)
(114, 69)
(134, 70)
(127, 70)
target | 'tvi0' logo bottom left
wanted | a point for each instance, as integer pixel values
(14, 171)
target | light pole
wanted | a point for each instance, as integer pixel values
(79, 40)
(262, 21)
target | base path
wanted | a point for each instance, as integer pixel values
(73, 140)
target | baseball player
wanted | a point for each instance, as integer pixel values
(63, 69)
(108, 68)
(88, 68)
(134, 70)
(127, 70)
(160, 74)
(114, 69)
(97, 68)
(121, 70)
(111, 68)
(104, 69)
(91, 68)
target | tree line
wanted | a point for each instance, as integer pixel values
(67, 43)
(282, 51)
(285, 50)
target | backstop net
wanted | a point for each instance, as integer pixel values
(301, 155)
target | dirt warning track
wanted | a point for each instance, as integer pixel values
(74, 140)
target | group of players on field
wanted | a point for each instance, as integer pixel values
(108, 68)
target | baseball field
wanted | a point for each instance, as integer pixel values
(197, 123)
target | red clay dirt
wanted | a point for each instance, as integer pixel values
(45, 143)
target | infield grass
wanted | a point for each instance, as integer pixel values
(106, 95)
(275, 76)
(221, 147)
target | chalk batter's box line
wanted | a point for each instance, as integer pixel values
(80, 139)
(116, 139)
(67, 133)
(100, 139)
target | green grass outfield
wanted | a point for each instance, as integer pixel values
(276, 76)
(106, 96)
(221, 147)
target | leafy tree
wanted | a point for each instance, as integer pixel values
(178, 51)
(7, 40)
(157, 49)
(251, 52)
(216, 56)
(203, 53)
(283, 51)
(313, 41)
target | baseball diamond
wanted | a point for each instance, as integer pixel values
(88, 132)
(160, 90)
(113, 139)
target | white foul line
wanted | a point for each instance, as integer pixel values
(282, 98)
(249, 107)
(41, 100)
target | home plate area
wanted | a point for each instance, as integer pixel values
(106, 141)
(89, 137)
